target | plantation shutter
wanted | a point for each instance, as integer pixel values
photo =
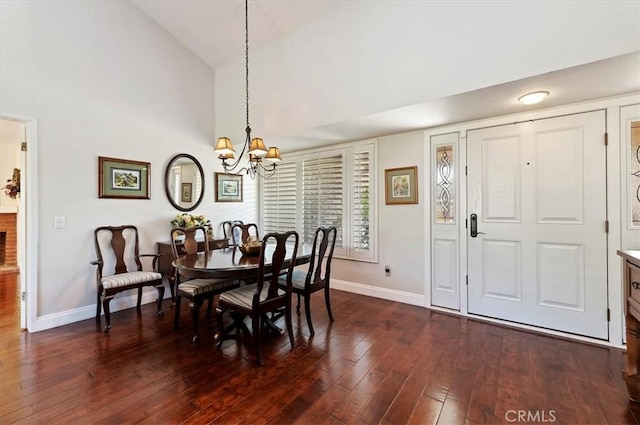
(322, 195)
(280, 199)
(362, 180)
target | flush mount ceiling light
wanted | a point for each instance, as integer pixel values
(532, 98)
(258, 152)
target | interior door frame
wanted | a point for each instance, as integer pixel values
(28, 222)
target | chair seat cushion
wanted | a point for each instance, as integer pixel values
(243, 296)
(204, 286)
(130, 278)
(298, 279)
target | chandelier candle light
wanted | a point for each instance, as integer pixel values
(258, 152)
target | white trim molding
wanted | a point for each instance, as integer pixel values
(377, 292)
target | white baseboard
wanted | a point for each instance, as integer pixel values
(89, 312)
(377, 292)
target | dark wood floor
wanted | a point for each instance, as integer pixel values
(380, 362)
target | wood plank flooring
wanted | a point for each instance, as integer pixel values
(380, 363)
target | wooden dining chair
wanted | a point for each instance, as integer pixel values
(241, 232)
(118, 247)
(226, 229)
(265, 296)
(317, 277)
(194, 290)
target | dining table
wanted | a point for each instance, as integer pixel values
(231, 263)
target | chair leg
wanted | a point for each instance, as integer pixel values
(220, 320)
(298, 306)
(139, 298)
(107, 312)
(160, 298)
(255, 324)
(172, 290)
(307, 311)
(287, 319)
(176, 318)
(327, 300)
(99, 306)
(195, 314)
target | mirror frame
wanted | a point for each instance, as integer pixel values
(167, 173)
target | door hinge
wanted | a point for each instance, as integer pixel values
(466, 222)
(23, 146)
(608, 315)
(606, 226)
(467, 280)
(606, 139)
(465, 170)
(23, 296)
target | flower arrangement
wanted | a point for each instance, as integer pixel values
(188, 220)
(12, 188)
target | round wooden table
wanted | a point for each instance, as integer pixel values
(230, 263)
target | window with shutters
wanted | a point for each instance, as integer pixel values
(330, 187)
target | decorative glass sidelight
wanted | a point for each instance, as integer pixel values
(634, 178)
(445, 189)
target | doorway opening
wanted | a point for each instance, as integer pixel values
(13, 137)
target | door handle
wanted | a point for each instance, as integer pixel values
(474, 226)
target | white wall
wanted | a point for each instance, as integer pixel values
(367, 57)
(401, 231)
(12, 134)
(102, 79)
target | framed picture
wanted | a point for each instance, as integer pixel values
(401, 185)
(228, 187)
(123, 179)
(186, 192)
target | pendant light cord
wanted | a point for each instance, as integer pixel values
(246, 53)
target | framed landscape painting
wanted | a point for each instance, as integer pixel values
(401, 185)
(123, 178)
(228, 187)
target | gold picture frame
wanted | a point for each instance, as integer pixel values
(401, 185)
(123, 178)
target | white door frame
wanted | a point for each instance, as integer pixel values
(28, 223)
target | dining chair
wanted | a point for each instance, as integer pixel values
(194, 290)
(241, 232)
(226, 229)
(317, 277)
(265, 296)
(118, 268)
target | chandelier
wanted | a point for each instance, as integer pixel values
(258, 153)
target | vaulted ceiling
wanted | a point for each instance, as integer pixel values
(214, 31)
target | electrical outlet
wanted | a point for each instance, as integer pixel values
(387, 270)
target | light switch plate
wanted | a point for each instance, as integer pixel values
(59, 222)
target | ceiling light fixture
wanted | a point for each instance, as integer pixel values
(533, 98)
(258, 152)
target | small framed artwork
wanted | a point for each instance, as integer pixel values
(186, 192)
(123, 178)
(401, 185)
(228, 187)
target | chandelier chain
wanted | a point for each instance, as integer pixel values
(246, 53)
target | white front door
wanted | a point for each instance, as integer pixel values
(537, 194)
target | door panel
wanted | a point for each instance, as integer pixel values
(559, 176)
(539, 191)
(501, 178)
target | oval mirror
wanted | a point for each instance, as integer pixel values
(184, 182)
